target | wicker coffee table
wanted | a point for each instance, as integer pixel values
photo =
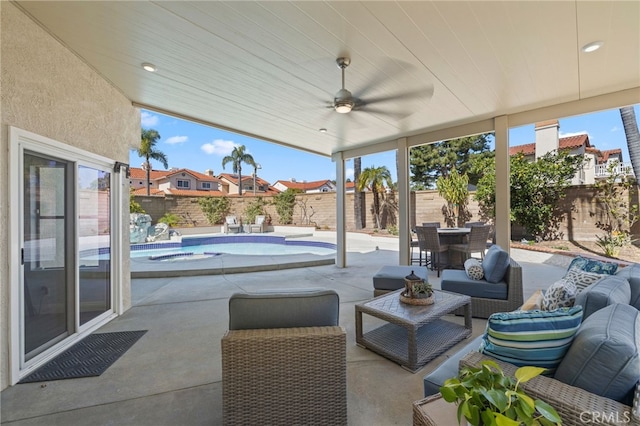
(415, 334)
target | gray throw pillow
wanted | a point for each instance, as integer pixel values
(495, 264)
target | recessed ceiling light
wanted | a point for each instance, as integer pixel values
(323, 130)
(149, 67)
(592, 47)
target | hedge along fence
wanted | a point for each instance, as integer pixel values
(580, 211)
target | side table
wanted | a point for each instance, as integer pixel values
(434, 411)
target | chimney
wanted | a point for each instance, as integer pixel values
(208, 172)
(547, 137)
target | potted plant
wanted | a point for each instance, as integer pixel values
(485, 396)
(422, 290)
(417, 291)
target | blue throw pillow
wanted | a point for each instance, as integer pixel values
(495, 264)
(536, 338)
(592, 265)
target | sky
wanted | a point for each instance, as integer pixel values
(197, 147)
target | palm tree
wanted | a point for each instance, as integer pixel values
(237, 157)
(357, 196)
(375, 178)
(633, 138)
(148, 151)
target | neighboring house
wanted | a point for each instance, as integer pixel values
(175, 182)
(229, 185)
(548, 139)
(350, 186)
(308, 187)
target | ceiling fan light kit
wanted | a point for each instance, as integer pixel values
(343, 101)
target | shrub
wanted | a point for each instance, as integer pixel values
(172, 220)
(253, 209)
(215, 209)
(285, 202)
(134, 206)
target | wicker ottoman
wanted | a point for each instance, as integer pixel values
(391, 278)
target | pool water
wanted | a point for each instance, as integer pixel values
(249, 248)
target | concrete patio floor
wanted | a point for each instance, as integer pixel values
(172, 375)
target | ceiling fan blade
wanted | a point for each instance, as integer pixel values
(406, 96)
(395, 115)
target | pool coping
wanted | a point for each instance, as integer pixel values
(190, 269)
(144, 267)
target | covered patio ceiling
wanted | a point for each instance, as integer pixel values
(268, 69)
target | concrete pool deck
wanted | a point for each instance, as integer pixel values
(173, 376)
(234, 263)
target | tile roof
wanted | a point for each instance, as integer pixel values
(609, 152)
(138, 173)
(197, 175)
(193, 193)
(154, 192)
(568, 142)
(232, 177)
(305, 186)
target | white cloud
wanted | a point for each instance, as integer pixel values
(148, 119)
(219, 147)
(615, 129)
(177, 139)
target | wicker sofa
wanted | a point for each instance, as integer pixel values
(605, 349)
(503, 295)
(284, 359)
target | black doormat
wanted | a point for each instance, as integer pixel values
(87, 358)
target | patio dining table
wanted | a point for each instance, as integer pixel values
(449, 236)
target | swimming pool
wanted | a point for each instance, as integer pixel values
(231, 244)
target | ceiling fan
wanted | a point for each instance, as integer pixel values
(344, 101)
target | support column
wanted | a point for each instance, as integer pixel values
(341, 234)
(404, 201)
(503, 185)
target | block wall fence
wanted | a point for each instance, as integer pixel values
(580, 211)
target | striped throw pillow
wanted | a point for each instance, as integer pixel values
(535, 338)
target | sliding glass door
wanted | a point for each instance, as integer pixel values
(47, 255)
(66, 254)
(94, 240)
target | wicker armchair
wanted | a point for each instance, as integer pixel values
(283, 373)
(483, 307)
(575, 406)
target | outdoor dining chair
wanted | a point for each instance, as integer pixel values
(429, 242)
(477, 242)
(416, 243)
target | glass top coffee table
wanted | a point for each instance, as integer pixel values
(415, 334)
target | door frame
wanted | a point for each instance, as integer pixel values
(19, 141)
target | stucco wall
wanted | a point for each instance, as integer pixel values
(48, 90)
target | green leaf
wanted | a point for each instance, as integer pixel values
(497, 398)
(524, 374)
(547, 411)
(448, 394)
(502, 420)
(526, 399)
